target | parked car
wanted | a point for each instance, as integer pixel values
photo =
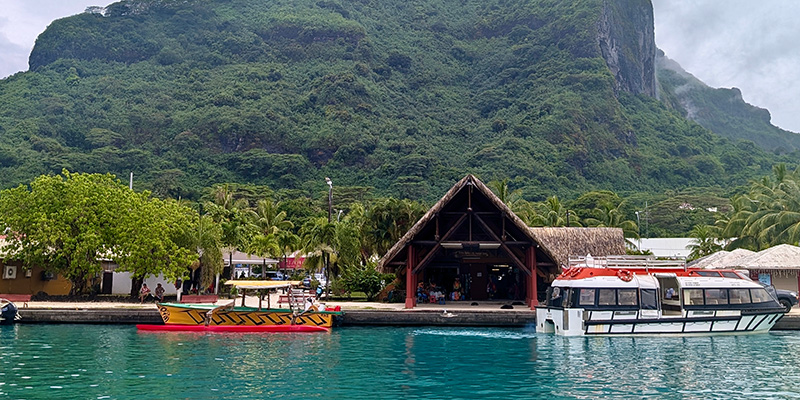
(787, 298)
(317, 277)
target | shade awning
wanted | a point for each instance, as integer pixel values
(259, 285)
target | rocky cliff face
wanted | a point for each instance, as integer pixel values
(625, 34)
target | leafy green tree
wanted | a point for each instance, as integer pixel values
(365, 278)
(68, 223)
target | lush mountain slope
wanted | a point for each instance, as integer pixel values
(723, 111)
(403, 96)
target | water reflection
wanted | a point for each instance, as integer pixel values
(78, 361)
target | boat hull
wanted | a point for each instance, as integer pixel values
(233, 328)
(8, 313)
(579, 322)
(196, 314)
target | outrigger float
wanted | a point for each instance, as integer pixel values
(229, 318)
(626, 295)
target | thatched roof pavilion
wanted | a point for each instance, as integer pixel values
(470, 234)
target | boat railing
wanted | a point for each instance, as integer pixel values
(627, 262)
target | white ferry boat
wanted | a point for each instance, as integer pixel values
(625, 295)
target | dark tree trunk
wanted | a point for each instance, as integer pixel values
(136, 284)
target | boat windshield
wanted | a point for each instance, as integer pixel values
(556, 296)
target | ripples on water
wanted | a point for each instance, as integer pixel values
(117, 362)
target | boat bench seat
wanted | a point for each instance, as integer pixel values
(199, 298)
(296, 299)
(17, 298)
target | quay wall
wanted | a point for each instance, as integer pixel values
(351, 318)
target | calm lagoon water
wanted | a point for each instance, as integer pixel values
(117, 362)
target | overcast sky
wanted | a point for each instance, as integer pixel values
(724, 43)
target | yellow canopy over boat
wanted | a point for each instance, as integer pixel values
(263, 284)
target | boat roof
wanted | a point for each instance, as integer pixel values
(611, 278)
(244, 284)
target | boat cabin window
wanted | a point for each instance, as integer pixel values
(739, 296)
(729, 274)
(716, 296)
(586, 297)
(693, 297)
(707, 273)
(607, 297)
(760, 295)
(627, 297)
(649, 299)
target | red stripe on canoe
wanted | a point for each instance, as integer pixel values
(232, 328)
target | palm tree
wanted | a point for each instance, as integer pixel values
(268, 219)
(233, 216)
(207, 239)
(769, 214)
(705, 242)
(385, 222)
(554, 213)
(317, 237)
(507, 196)
(610, 216)
(288, 243)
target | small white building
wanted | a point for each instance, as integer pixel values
(666, 247)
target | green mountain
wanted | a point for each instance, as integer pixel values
(722, 111)
(402, 96)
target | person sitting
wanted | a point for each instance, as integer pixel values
(160, 292)
(456, 294)
(422, 294)
(143, 293)
(435, 294)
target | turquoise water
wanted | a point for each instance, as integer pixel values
(117, 362)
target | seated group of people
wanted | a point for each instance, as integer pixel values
(437, 294)
(145, 292)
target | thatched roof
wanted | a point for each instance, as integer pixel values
(780, 257)
(562, 243)
(723, 259)
(707, 261)
(466, 181)
(556, 243)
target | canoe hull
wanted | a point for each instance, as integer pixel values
(232, 328)
(195, 314)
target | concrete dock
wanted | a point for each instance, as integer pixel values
(488, 314)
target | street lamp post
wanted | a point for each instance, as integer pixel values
(639, 230)
(327, 256)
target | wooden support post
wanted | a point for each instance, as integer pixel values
(530, 260)
(411, 284)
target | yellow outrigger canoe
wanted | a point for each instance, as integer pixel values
(228, 317)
